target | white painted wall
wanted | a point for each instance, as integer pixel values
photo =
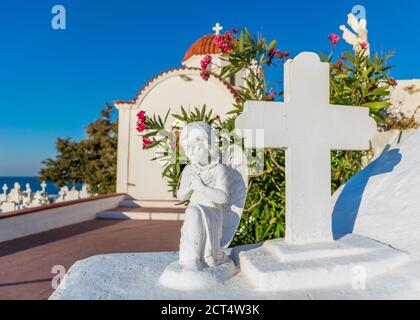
(32, 223)
(406, 97)
(142, 178)
(123, 145)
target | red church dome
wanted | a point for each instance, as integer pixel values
(203, 46)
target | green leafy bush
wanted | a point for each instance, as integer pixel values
(358, 80)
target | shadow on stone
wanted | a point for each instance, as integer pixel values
(234, 253)
(348, 203)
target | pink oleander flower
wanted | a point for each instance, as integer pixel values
(363, 45)
(141, 115)
(218, 40)
(334, 39)
(205, 75)
(278, 54)
(393, 82)
(271, 54)
(141, 127)
(227, 47)
(146, 142)
(224, 42)
(141, 121)
(176, 133)
(338, 65)
(283, 55)
(205, 62)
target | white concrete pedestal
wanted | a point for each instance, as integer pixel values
(273, 270)
(278, 266)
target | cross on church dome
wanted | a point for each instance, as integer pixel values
(217, 28)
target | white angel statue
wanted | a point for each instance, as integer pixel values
(216, 187)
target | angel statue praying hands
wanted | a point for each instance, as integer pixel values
(216, 187)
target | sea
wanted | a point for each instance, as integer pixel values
(35, 184)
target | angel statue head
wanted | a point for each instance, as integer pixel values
(198, 139)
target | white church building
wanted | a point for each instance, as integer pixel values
(137, 175)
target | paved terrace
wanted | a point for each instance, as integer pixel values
(26, 263)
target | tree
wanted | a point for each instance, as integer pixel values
(92, 161)
(65, 169)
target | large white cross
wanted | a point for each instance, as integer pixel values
(308, 127)
(217, 28)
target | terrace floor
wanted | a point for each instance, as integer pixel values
(26, 264)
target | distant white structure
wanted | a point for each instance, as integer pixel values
(359, 37)
(19, 200)
(405, 99)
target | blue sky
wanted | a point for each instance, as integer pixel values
(54, 82)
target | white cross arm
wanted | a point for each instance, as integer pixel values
(253, 120)
(351, 128)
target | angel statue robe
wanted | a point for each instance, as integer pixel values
(202, 231)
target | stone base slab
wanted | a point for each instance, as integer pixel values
(278, 266)
(268, 271)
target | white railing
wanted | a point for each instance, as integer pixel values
(57, 215)
(17, 199)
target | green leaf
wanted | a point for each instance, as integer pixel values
(248, 36)
(378, 92)
(377, 105)
(272, 45)
(241, 42)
